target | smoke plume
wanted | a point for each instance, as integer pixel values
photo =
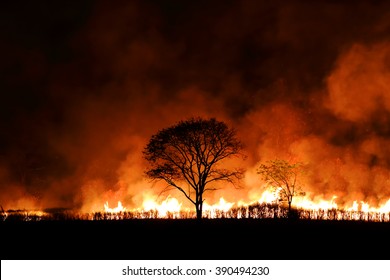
(84, 87)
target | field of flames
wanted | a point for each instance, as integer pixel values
(267, 207)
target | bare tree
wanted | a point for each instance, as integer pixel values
(283, 178)
(187, 157)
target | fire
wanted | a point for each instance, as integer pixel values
(265, 207)
(222, 205)
(305, 203)
(117, 209)
(365, 207)
(385, 208)
(169, 205)
(269, 196)
(24, 215)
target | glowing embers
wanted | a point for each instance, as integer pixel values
(24, 215)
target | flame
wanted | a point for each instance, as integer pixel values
(221, 205)
(117, 209)
(169, 205)
(321, 209)
(305, 203)
(212, 211)
(269, 196)
(385, 208)
(267, 206)
(365, 207)
(24, 215)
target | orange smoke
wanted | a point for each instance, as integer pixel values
(74, 123)
(358, 87)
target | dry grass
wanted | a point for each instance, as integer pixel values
(254, 211)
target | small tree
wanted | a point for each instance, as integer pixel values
(187, 157)
(282, 177)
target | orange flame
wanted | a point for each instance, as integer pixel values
(117, 209)
(325, 209)
(169, 205)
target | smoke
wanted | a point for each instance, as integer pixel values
(358, 87)
(84, 91)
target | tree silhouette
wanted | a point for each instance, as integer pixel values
(187, 157)
(282, 177)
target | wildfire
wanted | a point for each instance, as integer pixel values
(365, 207)
(269, 196)
(385, 207)
(322, 204)
(169, 205)
(117, 209)
(221, 206)
(25, 215)
(266, 206)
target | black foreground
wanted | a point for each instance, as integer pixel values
(194, 239)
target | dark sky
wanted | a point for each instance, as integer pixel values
(84, 84)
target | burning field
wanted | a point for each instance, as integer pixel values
(85, 86)
(170, 208)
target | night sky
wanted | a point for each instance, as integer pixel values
(84, 85)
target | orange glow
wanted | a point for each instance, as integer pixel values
(211, 211)
(385, 208)
(305, 203)
(27, 215)
(117, 209)
(267, 205)
(221, 205)
(269, 196)
(75, 144)
(169, 205)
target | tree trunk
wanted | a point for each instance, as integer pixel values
(289, 207)
(199, 207)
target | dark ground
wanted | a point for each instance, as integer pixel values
(192, 239)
